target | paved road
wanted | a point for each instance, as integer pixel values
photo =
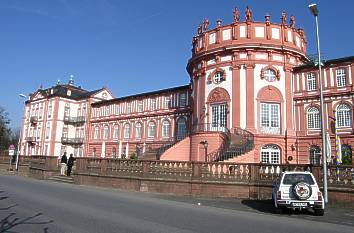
(28, 205)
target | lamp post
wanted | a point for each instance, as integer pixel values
(314, 12)
(20, 136)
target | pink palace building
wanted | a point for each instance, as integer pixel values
(253, 97)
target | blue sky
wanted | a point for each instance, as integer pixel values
(132, 46)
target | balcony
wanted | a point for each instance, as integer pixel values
(31, 140)
(34, 120)
(74, 120)
(66, 140)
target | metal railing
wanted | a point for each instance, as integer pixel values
(74, 120)
(209, 127)
(31, 139)
(244, 143)
(66, 140)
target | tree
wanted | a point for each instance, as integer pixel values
(5, 131)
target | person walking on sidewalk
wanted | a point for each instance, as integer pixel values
(63, 162)
(70, 164)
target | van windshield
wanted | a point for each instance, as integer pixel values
(294, 178)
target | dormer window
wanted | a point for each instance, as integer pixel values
(269, 75)
(219, 77)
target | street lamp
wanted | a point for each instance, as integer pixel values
(205, 144)
(314, 11)
(20, 136)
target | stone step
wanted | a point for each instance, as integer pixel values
(62, 179)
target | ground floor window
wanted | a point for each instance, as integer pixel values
(315, 155)
(346, 154)
(270, 154)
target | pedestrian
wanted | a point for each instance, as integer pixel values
(63, 162)
(70, 164)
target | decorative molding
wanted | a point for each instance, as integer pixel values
(218, 95)
(276, 71)
(210, 78)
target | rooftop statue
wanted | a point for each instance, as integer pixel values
(292, 21)
(206, 24)
(248, 14)
(199, 29)
(283, 18)
(236, 16)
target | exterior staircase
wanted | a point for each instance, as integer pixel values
(240, 143)
(155, 153)
(62, 179)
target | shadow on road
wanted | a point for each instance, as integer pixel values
(8, 223)
(266, 206)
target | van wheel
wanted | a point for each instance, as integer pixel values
(319, 212)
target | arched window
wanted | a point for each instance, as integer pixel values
(152, 129)
(127, 130)
(346, 154)
(270, 154)
(105, 132)
(116, 131)
(313, 118)
(165, 128)
(96, 133)
(181, 129)
(344, 116)
(315, 153)
(138, 130)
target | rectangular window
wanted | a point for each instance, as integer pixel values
(47, 132)
(167, 102)
(340, 76)
(311, 82)
(270, 118)
(182, 100)
(153, 104)
(140, 106)
(129, 108)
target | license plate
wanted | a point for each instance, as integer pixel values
(299, 204)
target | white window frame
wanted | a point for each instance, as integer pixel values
(140, 106)
(127, 130)
(311, 82)
(270, 75)
(165, 129)
(313, 118)
(344, 116)
(270, 120)
(105, 132)
(341, 77)
(138, 130)
(116, 131)
(153, 104)
(182, 100)
(96, 133)
(152, 129)
(270, 154)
